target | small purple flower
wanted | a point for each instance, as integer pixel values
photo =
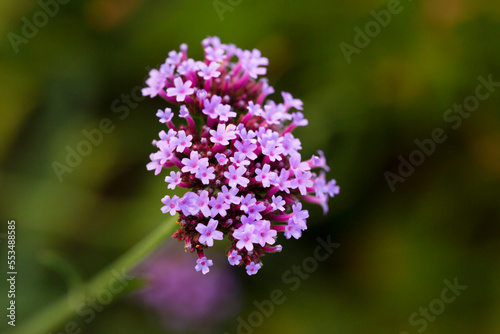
(211, 40)
(296, 165)
(186, 66)
(183, 112)
(239, 159)
(247, 202)
(210, 105)
(173, 180)
(193, 163)
(171, 204)
(181, 89)
(278, 204)
(234, 258)
(247, 220)
(245, 236)
(299, 216)
(247, 148)
(291, 102)
(223, 134)
(251, 62)
(282, 180)
(165, 116)
(333, 188)
(230, 195)
(319, 161)
(271, 114)
(223, 111)
(254, 210)
(221, 158)
(164, 154)
(299, 120)
(247, 135)
(201, 94)
(273, 150)
(219, 206)
(187, 204)
(182, 141)
(155, 82)
(208, 72)
(253, 268)
(203, 202)
(264, 175)
(205, 174)
(301, 181)
(265, 235)
(292, 230)
(214, 54)
(235, 176)
(167, 70)
(174, 58)
(266, 89)
(254, 109)
(168, 136)
(208, 232)
(154, 164)
(203, 264)
(291, 145)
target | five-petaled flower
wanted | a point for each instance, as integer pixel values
(203, 264)
(181, 89)
(208, 232)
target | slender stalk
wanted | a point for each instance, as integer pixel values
(60, 311)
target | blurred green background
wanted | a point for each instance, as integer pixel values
(397, 247)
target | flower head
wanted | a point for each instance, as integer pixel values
(235, 154)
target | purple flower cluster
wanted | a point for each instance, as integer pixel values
(239, 161)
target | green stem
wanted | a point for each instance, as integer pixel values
(63, 309)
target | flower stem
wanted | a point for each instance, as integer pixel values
(63, 309)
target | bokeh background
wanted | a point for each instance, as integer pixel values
(397, 247)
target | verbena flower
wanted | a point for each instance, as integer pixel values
(239, 161)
